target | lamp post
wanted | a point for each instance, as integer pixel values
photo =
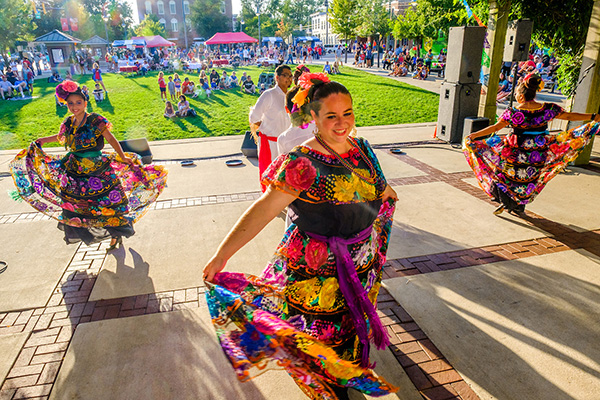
(326, 22)
(258, 13)
(184, 24)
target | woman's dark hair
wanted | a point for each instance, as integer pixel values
(184, 98)
(317, 92)
(78, 92)
(529, 87)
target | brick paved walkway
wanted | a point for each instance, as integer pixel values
(51, 327)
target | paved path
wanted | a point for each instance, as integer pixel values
(478, 306)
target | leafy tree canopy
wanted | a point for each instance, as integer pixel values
(208, 19)
(343, 17)
(150, 27)
(15, 22)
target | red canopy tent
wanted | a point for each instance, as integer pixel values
(230, 37)
(155, 41)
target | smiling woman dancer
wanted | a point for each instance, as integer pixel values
(313, 309)
(513, 169)
(99, 195)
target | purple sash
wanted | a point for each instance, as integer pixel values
(355, 294)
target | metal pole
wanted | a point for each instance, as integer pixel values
(258, 13)
(326, 23)
(184, 24)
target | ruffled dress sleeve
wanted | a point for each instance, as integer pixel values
(62, 131)
(553, 110)
(291, 173)
(99, 122)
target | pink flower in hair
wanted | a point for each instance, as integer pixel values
(307, 79)
(69, 86)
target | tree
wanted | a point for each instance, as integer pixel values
(150, 27)
(208, 19)
(343, 18)
(15, 22)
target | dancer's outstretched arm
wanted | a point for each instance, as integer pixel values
(260, 213)
(489, 130)
(573, 116)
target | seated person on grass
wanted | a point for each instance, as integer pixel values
(204, 86)
(249, 86)
(233, 83)
(335, 69)
(243, 79)
(5, 87)
(169, 110)
(185, 87)
(86, 93)
(16, 82)
(55, 78)
(98, 93)
(224, 82)
(327, 68)
(183, 107)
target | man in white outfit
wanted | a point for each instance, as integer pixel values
(269, 115)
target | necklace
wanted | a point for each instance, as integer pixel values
(80, 123)
(370, 179)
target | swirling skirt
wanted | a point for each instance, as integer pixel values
(91, 197)
(295, 317)
(517, 171)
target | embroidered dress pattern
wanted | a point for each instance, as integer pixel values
(521, 163)
(295, 316)
(89, 188)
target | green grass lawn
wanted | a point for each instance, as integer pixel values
(135, 109)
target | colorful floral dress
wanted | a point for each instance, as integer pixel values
(93, 195)
(297, 315)
(515, 168)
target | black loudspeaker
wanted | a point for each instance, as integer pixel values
(457, 102)
(474, 124)
(249, 148)
(465, 46)
(518, 37)
(138, 146)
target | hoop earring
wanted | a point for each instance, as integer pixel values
(315, 131)
(353, 132)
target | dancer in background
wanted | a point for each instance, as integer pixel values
(513, 169)
(99, 195)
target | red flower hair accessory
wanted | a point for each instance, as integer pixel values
(309, 79)
(66, 88)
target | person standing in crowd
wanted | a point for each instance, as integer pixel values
(312, 310)
(97, 76)
(93, 195)
(269, 118)
(513, 169)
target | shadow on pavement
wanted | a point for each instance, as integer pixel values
(164, 355)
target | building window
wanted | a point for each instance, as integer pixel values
(163, 23)
(186, 7)
(172, 7)
(161, 7)
(148, 8)
(174, 26)
(223, 7)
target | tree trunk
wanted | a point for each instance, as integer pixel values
(587, 97)
(496, 36)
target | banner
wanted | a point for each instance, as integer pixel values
(74, 26)
(64, 24)
(470, 13)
